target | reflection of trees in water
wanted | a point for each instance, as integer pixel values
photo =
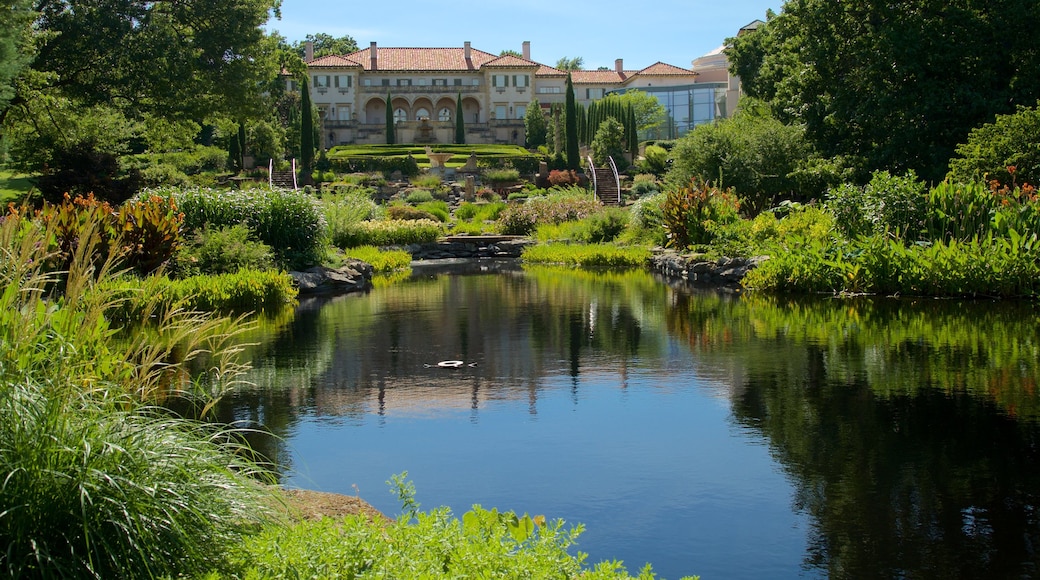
(361, 356)
(929, 485)
(909, 429)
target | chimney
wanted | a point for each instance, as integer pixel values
(527, 50)
(374, 54)
(619, 66)
(308, 51)
(466, 51)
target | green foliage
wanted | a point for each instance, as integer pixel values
(398, 211)
(691, 213)
(306, 129)
(655, 160)
(482, 544)
(479, 212)
(566, 205)
(604, 226)
(587, 256)
(534, 125)
(82, 170)
(291, 223)
(460, 122)
(571, 127)
(1009, 141)
(389, 233)
(223, 250)
(324, 44)
(888, 203)
(500, 176)
(609, 142)
(818, 63)
(97, 483)
(345, 208)
(878, 264)
(246, 290)
(390, 128)
(382, 261)
(419, 196)
(753, 154)
(437, 209)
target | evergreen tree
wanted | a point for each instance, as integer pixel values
(631, 132)
(571, 127)
(460, 123)
(306, 131)
(534, 125)
(242, 145)
(389, 121)
(234, 153)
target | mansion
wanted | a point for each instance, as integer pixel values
(425, 84)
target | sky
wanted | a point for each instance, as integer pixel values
(640, 32)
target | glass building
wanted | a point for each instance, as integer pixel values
(687, 106)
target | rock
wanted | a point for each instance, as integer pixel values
(352, 277)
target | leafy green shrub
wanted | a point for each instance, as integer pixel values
(604, 226)
(419, 196)
(213, 250)
(655, 160)
(163, 174)
(242, 291)
(887, 204)
(81, 169)
(751, 153)
(437, 209)
(644, 185)
(390, 233)
(291, 223)
(481, 544)
(517, 220)
(1009, 141)
(609, 141)
(690, 213)
(382, 261)
(407, 212)
(484, 211)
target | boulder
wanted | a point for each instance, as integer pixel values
(354, 276)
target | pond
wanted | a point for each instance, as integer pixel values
(726, 435)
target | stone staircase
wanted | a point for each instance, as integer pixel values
(283, 179)
(607, 188)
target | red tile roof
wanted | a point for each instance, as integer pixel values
(599, 77)
(420, 59)
(511, 61)
(663, 69)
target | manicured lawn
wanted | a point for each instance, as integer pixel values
(460, 153)
(13, 186)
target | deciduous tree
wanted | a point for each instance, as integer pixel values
(893, 85)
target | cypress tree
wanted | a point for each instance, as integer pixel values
(571, 126)
(306, 132)
(460, 124)
(582, 124)
(234, 153)
(632, 132)
(389, 121)
(242, 145)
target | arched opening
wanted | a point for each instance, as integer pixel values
(444, 114)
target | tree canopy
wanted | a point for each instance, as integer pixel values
(892, 85)
(326, 44)
(570, 63)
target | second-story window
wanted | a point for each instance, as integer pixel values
(404, 82)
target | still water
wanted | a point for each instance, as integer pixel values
(706, 433)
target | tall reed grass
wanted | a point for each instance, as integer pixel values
(96, 480)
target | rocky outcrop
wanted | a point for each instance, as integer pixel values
(355, 275)
(698, 269)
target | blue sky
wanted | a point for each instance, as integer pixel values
(641, 33)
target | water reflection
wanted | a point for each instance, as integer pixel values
(905, 431)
